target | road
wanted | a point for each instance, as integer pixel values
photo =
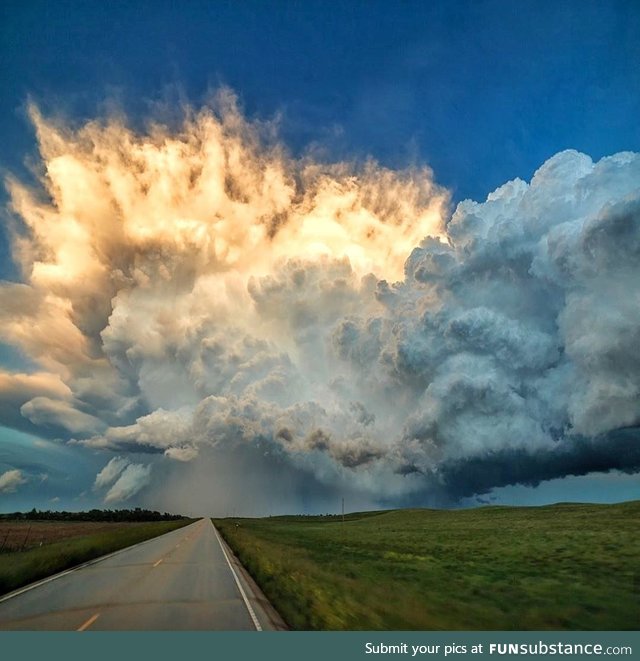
(182, 580)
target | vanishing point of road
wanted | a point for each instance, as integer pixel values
(186, 579)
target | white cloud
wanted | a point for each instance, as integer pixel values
(46, 411)
(134, 478)
(110, 472)
(10, 480)
(187, 453)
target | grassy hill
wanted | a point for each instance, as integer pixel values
(566, 566)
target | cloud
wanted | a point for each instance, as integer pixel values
(17, 389)
(198, 295)
(110, 472)
(187, 453)
(10, 480)
(45, 411)
(134, 478)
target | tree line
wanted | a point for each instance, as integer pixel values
(136, 514)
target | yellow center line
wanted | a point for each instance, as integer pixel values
(89, 622)
(157, 563)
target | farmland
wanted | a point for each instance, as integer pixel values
(566, 566)
(24, 535)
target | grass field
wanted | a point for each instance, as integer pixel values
(65, 544)
(566, 566)
(24, 535)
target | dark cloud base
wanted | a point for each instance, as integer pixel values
(619, 450)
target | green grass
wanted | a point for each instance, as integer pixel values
(23, 567)
(567, 566)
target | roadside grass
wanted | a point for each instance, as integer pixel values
(560, 567)
(20, 568)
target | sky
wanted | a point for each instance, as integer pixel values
(256, 257)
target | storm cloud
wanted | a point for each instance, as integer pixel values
(193, 293)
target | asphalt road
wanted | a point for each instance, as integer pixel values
(182, 580)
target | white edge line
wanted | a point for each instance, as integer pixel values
(44, 581)
(256, 623)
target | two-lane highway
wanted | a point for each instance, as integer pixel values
(182, 580)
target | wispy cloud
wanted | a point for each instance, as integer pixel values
(134, 478)
(110, 472)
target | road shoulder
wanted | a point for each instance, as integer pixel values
(267, 615)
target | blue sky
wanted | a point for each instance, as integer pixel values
(481, 92)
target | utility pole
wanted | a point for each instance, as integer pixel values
(342, 509)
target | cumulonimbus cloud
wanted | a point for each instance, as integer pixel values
(195, 290)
